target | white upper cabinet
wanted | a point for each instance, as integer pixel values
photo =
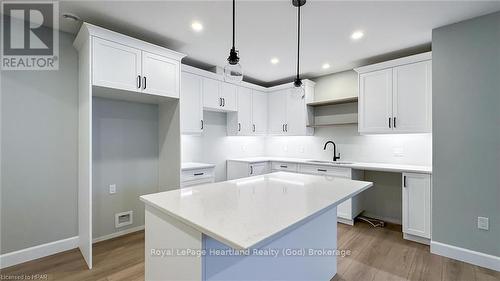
(259, 113)
(239, 123)
(115, 65)
(288, 113)
(218, 95)
(191, 107)
(395, 96)
(417, 205)
(375, 101)
(295, 114)
(412, 97)
(228, 94)
(125, 63)
(160, 75)
(277, 112)
(211, 96)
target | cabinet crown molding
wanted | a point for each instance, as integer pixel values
(393, 63)
(88, 30)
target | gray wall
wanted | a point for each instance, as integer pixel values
(39, 115)
(125, 153)
(466, 138)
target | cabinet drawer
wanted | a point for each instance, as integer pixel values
(283, 166)
(196, 174)
(325, 170)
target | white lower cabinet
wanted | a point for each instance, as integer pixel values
(417, 206)
(238, 170)
(194, 177)
(284, 166)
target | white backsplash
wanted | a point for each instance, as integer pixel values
(412, 149)
(215, 147)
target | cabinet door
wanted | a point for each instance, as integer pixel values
(276, 112)
(228, 92)
(259, 113)
(375, 102)
(244, 124)
(191, 108)
(211, 96)
(160, 75)
(115, 65)
(417, 204)
(295, 115)
(412, 97)
(259, 169)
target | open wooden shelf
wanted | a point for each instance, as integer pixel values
(332, 102)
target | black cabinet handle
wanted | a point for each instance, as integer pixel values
(404, 181)
(251, 170)
(254, 127)
(198, 174)
(286, 127)
(138, 81)
(220, 101)
(202, 124)
(394, 122)
(283, 166)
(239, 127)
(144, 83)
(321, 170)
(390, 122)
(223, 102)
(283, 127)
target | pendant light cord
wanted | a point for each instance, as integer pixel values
(298, 42)
(234, 12)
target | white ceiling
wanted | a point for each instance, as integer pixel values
(267, 29)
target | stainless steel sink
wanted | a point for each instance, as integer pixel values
(330, 162)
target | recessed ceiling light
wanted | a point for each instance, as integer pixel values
(275, 60)
(356, 35)
(197, 26)
(325, 66)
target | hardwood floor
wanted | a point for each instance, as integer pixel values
(377, 254)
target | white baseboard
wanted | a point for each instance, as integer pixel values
(417, 239)
(118, 233)
(37, 252)
(465, 255)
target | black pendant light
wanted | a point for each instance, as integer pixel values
(298, 89)
(233, 71)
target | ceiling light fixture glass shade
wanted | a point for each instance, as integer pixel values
(233, 72)
(298, 89)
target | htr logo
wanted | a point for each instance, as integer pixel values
(29, 35)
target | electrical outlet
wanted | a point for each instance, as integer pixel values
(483, 223)
(112, 188)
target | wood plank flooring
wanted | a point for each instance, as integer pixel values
(377, 254)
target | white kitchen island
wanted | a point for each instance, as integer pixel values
(279, 226)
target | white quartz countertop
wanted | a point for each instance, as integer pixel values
(194, 165)
(353, 165)
(244, 212)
